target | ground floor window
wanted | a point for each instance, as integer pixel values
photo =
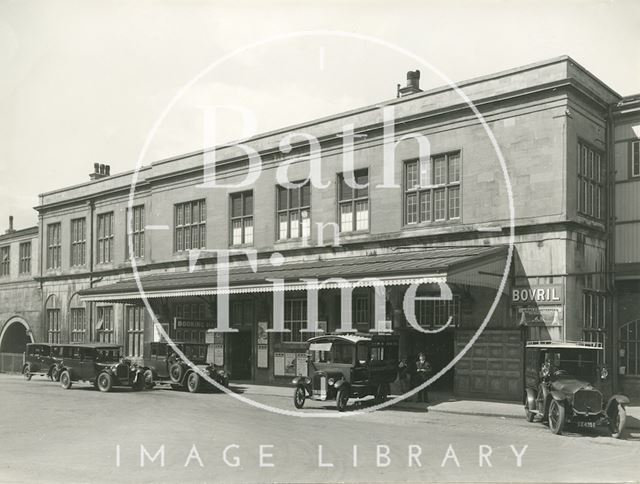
(436, 313)
(134, 320)
(78, 325)
(295, 319)
(53, 325)
(104, 324)
(630, 346)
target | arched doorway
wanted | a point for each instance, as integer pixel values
(13, 342)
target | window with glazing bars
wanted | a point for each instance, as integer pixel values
(590, 182)
(295, 319)
(135, 330)
(137, 233)
(5, 261)
(78, 241)
(434, 194)
(242, 218)
(105, 238)
(53, 246)
(294, 212)
(635, 158)
(53, 325)
(104, 324)
(190, 225)
(25, 258)
(78, 325)
(353, 203)
(434, 313)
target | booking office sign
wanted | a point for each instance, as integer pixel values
(313, 157)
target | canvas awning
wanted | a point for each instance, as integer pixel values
(402, 267)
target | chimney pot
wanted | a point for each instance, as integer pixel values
(413, 84)
(96, 167)
(107, 170)
(102, 168)
(10, 222)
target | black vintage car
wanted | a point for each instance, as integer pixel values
(100, 364)
(560, 381)
(41, 359)
(163, 364)
(344, 366)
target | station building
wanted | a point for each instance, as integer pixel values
(442, 223)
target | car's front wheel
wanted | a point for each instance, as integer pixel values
(193, 382)
(65, 380)
(105, 382)
(527, 411)
(26, 372)
(148, 378)
(557, 416)
(342, 399)
(299, 396)
(617, 420)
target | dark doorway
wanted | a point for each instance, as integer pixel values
(439, 348)
(15, 339)
(240, 355)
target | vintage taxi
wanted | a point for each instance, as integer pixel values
(99, 364)
(162, 363)
(41, 359)
(560, 387)
(344, 366)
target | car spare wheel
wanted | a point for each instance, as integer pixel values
(299, 396)
(557, 416)
(617, 420)
(105, 382)
(148, 378)
(65, 380)
(176, 372)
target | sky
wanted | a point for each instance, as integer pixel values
(85, 81)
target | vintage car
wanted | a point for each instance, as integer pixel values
(348, 365)
(41, 359)
(100, 364)
(560, 381)
(164, 364)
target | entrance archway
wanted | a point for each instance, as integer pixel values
(15, 336)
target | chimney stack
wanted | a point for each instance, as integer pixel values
(100, 170)
(10, 230)
(413, 84)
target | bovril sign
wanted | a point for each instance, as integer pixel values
(537, 294)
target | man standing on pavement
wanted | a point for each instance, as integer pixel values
(423, 372)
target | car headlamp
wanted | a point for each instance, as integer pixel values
(330, 382)
(604, 373)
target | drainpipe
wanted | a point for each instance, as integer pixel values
(43, 314)
(90, 241)
(611, 330)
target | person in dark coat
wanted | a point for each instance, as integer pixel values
(423, 372)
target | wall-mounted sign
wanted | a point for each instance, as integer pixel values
(262, 342)
(541, 316)
(263, 356)
(301, 364)
(537, 294)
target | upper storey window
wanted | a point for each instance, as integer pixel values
(590, 182)
(353, 203)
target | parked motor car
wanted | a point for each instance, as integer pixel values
(164, 364)
(41, 359)
(100, 364)
(344, 366)
(560, 387)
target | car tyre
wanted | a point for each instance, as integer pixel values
(65, 380)
(557, 417)
(105, 382)
(617, 420)
(176, 373)
(342, 399)
(530, 415)
(193, 382)
(55, 373)
(26, 372)
(299, 396)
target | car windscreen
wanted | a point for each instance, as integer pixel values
(107, 354)
(335, 352)
(580, 363)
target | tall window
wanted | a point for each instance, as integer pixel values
(25, 258)
(635, 158)
(53, 246)
(590, 183)
(294, 212)
(295, 319)
(434, 195)
(630, 347)
(361, 311)
(353, 203)
(105, 238)
(104, 324)
(242, 218)
(5, 262)
(134, 320)
(53, 325)
(594, 313)
(78, 325)
(137, 233)
(78, 241)
(190, 225)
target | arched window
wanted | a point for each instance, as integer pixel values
(630, 344)
(52, 310)
(77, 320)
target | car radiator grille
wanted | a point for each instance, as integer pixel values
(122, 372)
(320, 386)
(587, 401)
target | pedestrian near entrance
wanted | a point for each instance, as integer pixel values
(423, 372)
